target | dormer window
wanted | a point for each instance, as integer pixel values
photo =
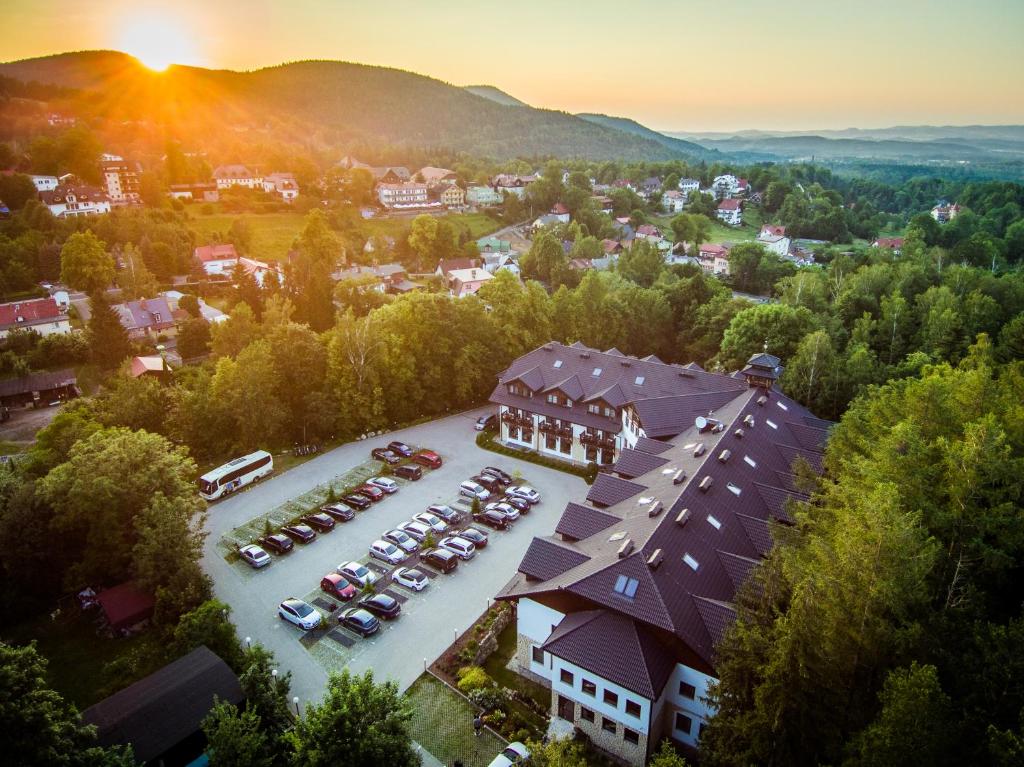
(597, 372)
(639, 381)
(558, 363)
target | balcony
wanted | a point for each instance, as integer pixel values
(550, 427)
(594, 440)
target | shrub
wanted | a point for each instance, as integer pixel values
(473, 678)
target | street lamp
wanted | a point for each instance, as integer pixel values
(295, 702)
(248, 642)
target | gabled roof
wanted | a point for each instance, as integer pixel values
(579, 521)
(633, 463)
(608, 490)
(652, 446)
(730, 204)
(546, 558)
(31, 312)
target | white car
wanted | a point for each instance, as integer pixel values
(387, 552)
(525, 492)
(401, 539)
(410, 578)
(418, 531)
(463, 549)
(436, 524)
(471, 489)
(254, 556)
(389, 486)
(514, 753)
(358, 573)
(302, 614)
(510, 512)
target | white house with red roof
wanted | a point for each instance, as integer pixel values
(282, 184)
(217, 260)
(466, 282)
(772, 238)
(673, 201)
(714, 258)
(730, 212)
(42, 315)
(895, 244)
(559, 211)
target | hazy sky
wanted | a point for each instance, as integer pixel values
(672, 64)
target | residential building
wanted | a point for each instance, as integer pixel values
(895, 244)
(611, 247)
(730, 212)
(147, 316)
(548, 219)
(387, 174)
(381, 278)
(207, 312)
(39, 389)
(402, 195)
(513, 184)
(772, 230)
(204, 192)
(466, 282)
(648, 232)
(483, 195)
(773, 239)
(944, 212)
(493, 245)
(217, 260)
(496, 262)
(72, 201)
(447, 265)
(432, 176)
(120, 180)
(673, 201)
(714, 258)
(259, 270)
(620, 610)
(45, 183)
(452, 196)
(227, 176)
(604, 204)
(41, 315)
(282, 184)
(153, 366)
(559, 211)
(689, 185)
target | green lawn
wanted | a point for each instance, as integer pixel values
(443, 724)
(476, 224)
(272, 233)
(496, 668)
(719, 232)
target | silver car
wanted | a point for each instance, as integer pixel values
(387, 552)
(401, 539)
(254, 556)
(460, 547)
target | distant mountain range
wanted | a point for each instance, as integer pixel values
(495, 94)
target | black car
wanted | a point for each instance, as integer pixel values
(359, 621)
(382, 606)
(361, 502)
(408, 471)
(400, 448)
(278, 543)
(492, 484)
(441, 559)
(519, 504)
(493, 519)
(319, 521)
(339, 511)
(503, 477)
(300, 533)
(478, 537)
(383, 454)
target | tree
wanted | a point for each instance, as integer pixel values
(266, 693)
(778, 326)
(545, 260)
(108, 339)
(194, 338)
(688, 227)
(562, 752)
(234, 737)
(358, 722)
(308, 274)
(209, 624)
(240, 234)
(16, 189)
(812, 375)
(666, 756)
(85, 264)
(239, 383)
(230, 337)
(642, 264)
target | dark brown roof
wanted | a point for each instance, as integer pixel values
(38, 382)
(578, 521)
(633, 463)
(608, 490)
(652, 446)
(546, 558)
(668, 416)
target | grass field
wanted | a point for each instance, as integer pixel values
(720, 233)
(443, 723)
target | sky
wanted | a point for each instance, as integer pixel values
(682, 65)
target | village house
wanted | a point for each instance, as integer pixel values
(120, 180)
(452, 196)
(447, 265)
(146, 317)
(944, 212)
(40, 315)
(282, 184)
(466, 282)
(773, 239)
(895, 244)
(548, 219)
(513, 184)
(259, 270)
(689, 185)
(207, 312)
(604, 204)
(619, 611)
(648, 232)
(403, 195)
(227, 176)
(39, 389)
(44, 183)
(559, 211)
(496, 262)
(217, 260)
(673, 201)
(152, 366)
(714, 258)
(203, 192)
(72, 201)
(730, 212)
(381, 278)
(483, 195)
(432, 176)
(493, 245)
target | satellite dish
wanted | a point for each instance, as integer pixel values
(701, 422)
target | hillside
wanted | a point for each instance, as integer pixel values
(351, 102)
(494, 94)
(632, 127)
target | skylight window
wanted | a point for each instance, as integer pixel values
(639, 381)
(617, 536)
(750, 461)
(558, 363)
(714, 522)
(597, 372)
(626, 586)
(734, 489)
(693, 563)
(782, 405)
(771, 423)
(645, 500)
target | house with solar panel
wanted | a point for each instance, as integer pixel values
(620, 610)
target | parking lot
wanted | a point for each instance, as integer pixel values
(430, 619)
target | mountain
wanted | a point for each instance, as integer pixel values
(627, 125)
(495, 94)
(339, 102)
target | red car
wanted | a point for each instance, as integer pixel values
(337, 586)
(370, 491)
(428, 458)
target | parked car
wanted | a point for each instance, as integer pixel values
(389, 486)
(358, 573)
(278, 543)
(459, 546)
(360, 502)
(490, 484)
(338, 586)
(401, 539)
(504, 477)
(410, 578)
(435, 523)
(478, 537)
(519, 504)
(486, 422)
(381, 605)
(472, 489)
(319, 521)
(442, 559)
(339, 511)
(525, 492)
(427, 458)
(359, 621)
(514, 753)
(493, 519)
(418, 531)
(445, 512)
(254, 556)
(387, 552)
(372, 492)
(506, 509)
(408, 471)
(302, 614)
(400, 448)
(383, 454)
(300, 533)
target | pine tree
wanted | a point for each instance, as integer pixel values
(108, 339)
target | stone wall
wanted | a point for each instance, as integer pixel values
(524, 653)
(611, 743)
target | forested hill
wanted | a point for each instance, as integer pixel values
(347, 102)
(626, 125)
(495, 94)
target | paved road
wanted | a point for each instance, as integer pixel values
(431, 618)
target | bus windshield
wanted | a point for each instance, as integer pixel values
(206, 486)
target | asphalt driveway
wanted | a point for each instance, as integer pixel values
(431, 619)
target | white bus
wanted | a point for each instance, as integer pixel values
(235, 474)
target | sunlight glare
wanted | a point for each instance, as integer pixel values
(157, 40)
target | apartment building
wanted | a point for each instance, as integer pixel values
(402, 195)
(120, 180)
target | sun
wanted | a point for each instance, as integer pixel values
(157, 40)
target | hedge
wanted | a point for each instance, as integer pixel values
(485, 440)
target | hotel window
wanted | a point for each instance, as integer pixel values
(538, 655)
(683, 722)
(513, 432)
(607, 456)
(565, 677)
(633, 708)
(565, 446)
(630, 736)
(591, 453)
(687, 691)
(611, 698)
(553, 399)
(608, 725)
(595, 409)
(586, 714)
(589, 688)
(527, 435)
(550, 442)
(609, 412)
